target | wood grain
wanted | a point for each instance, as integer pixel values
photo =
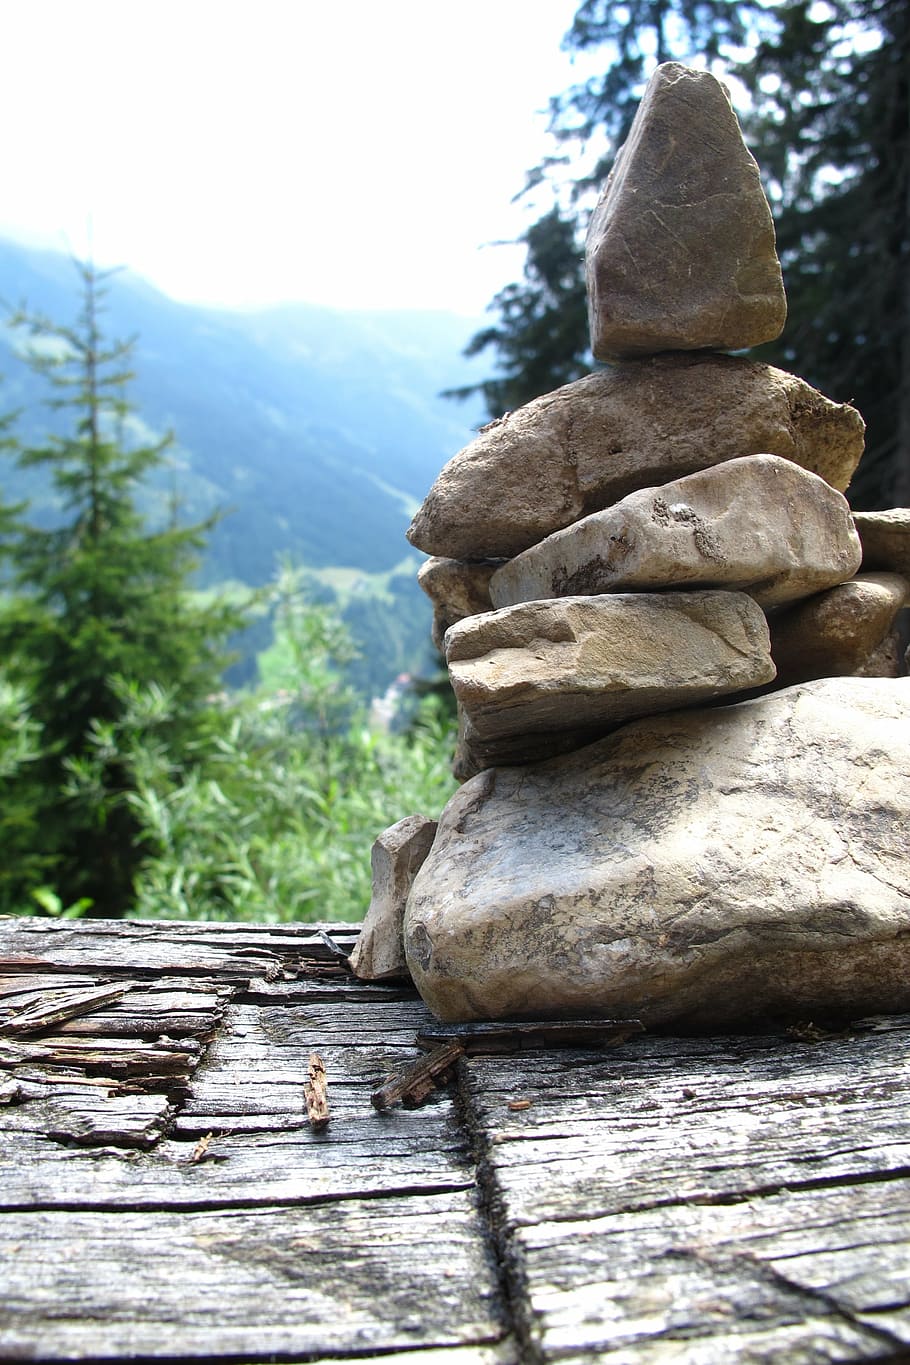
(164, 1195)
(705, 1200)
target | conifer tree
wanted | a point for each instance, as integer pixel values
(830, 126)
(831, 131)
(541, 338)
(100, 601)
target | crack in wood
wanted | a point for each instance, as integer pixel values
(704, 1196)
(830, 1303)
(351, 1196)
(499, 1247)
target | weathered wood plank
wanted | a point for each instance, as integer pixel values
(169, 1006)
(704, 1200)
(693, 1200)
(247, 1169)
(45, 1009)
(109, 1076)
(505, 1352)
(721, 1275)
(250, 1094)
(345, 1278)
(693, 1119)
(231, 952)
(253, 1075)
(223, 1223)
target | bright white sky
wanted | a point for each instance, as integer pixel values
(355, 153)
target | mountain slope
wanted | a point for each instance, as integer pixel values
(316, 432)
(318, 429)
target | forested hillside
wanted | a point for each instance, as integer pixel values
(315, 431)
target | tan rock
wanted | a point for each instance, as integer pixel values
(397, 856)
(760, 524)
(456, 589)
(836, 632)
(885, 538)
(680, 250)
(698, 868)
(581, 448)
(589, 663)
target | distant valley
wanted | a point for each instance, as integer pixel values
(316, 432)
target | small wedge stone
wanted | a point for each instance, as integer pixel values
(456, 589)
(886, 661)
(588, 663)
(885, 538)
(760, 525)
(472, 754)
(581, 448)
(835, 633)
(680, 250)
(397, 857)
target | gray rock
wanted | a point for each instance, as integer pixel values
(885, 661)
(837, 632)
(680, 250)
(581, 448)
(698, 868)
(473, 754)
(885, 538)
(397, 856)
(589, 663)
(457, 590)
(760, 524)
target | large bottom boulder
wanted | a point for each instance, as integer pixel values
(705, 867)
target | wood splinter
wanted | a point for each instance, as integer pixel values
(415, 1085)
(317, 1104)
(57, 1007)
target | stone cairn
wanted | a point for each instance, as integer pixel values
(666, 534)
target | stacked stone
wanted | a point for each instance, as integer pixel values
(666, 533)
(679, 469)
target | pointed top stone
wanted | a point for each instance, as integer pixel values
(680, 251)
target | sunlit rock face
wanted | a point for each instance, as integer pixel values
(759, 524)
(699, 868)
(585, 446)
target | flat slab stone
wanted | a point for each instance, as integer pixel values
(680, 251)
(837, 632)
(760, 524)
(586, 445)
(713, 865)
(885, 538)
(586, 662)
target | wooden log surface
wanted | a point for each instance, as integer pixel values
(165, 1195)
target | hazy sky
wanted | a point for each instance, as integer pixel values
(346, 152)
